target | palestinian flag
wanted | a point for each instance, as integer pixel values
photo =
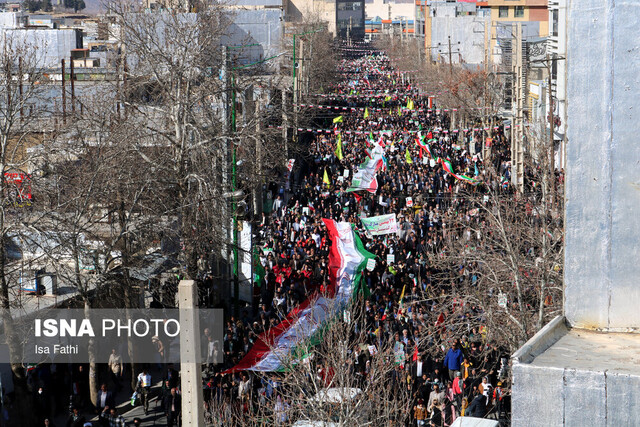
(304, 325)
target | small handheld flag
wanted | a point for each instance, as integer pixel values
(338, 151)
(325, 178)
(407, 157)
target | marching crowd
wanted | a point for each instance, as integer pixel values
(446, 373)
(467, 378)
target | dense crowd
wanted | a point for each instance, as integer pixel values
(445, 372)
(466, 378)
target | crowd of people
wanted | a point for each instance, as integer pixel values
(466, 376)
(469, 377)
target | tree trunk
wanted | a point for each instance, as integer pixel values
(93, 373)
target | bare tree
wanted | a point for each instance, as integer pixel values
(24, 91)
(343, 374)
(501, 259)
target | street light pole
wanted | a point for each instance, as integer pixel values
(234, 171)
(552, 168)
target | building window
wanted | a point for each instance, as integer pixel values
(554, 23)
(519, 12)
(349, 6)
(503, 12)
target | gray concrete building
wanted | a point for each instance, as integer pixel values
(583, 369)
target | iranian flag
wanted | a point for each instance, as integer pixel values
(280, 346)
(446, 165)
(424, 146)
(365, 177)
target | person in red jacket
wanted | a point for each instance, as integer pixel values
(498, 395)
(458, 390)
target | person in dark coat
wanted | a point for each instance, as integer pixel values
(171, 404)
(478, 407)
(105, 398)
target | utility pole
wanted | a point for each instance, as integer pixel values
(234, 205)
(450, 61)
(517, 149)
(552, 171)
(190, 370)
(295, 83)
(64, 98)
(229, 127)
(20, 87)
(73, 89)
(548, 62)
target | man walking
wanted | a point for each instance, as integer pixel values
(115, 368)
(453, 360)
(172, 404)
(144, 383)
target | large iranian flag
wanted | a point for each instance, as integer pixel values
(303, 326)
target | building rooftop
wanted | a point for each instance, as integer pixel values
(594, 351)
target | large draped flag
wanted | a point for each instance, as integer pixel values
(283, 344)
(337, 119)
(325, 177)
(410, 105)
(338, 151)
(366, 113)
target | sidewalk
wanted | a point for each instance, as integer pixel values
(155, 417)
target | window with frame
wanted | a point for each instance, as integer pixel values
(503, 12)
(519, 12)
(554, 23)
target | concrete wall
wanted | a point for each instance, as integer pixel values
(382, 8)
(52, 45)
(587, 377)
(263, 26)
(312, 10)
(574, 397)
(603, 165)
(468, 30)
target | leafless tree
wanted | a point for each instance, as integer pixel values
(23, 122)
(502, 259)
(343, 374)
